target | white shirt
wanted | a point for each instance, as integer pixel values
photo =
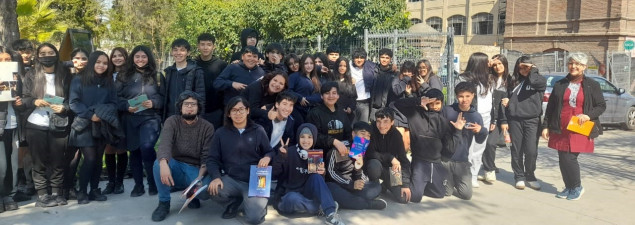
(40, 116)
(276, 132)
(358, 75)
(12, 121)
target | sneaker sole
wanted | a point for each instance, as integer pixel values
(561, 196)
(579, 196)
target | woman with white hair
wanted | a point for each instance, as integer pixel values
(576, 95)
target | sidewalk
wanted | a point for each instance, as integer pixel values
(607, 176)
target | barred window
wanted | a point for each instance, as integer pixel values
(415, 21)
(458, 22)
(436, 23)
(482, 23)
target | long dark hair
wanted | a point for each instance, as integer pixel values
(125, 56)
(227, 122)
(288, 58)
(39, 79)
(505, 63)
(429, 66)
(264, 83)
(516, 78)
(477, 71)
(312, 75)
(148, 74)
(347, 76)
(89, 76)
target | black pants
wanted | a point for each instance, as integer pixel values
(524, 150)
(375, 171)
(428, 179)
(489, 155)
(47, 150)
(357, 199)
(570, 169)
(71, 161)
(8, 174)
(91, 166)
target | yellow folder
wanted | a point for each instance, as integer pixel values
(584, 129)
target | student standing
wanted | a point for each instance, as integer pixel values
(142, 127)
(237, 76)
(305, 84)
(382, 93)
(363, 73)
(212, 67)
(93, 98)
(47, 124)
(346, 88)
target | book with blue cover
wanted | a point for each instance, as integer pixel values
(259, 182)
(138, 102)
(359, 146)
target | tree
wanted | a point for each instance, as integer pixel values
(81, 14)
(9, 29)
(38, 21)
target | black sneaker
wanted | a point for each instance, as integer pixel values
(96, 195)
(82, 198)
(45, 201)
(118, 188)
(21, 197)
(59, 199)
(30, 191)
(1, 206)
(72, 194)
(10, 204)
(232, 209)
(137, 191)
(378, 204)
(110, 188)
(161, 212)
(152, 189)
(194, 204)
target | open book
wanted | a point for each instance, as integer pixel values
(195, 188)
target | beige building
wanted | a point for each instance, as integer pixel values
(478, 24)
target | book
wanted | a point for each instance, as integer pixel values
(339, 157)
(584, 128)
(259, 182)
(8, 81)
(53, 100)
(395, 178)
(138, 102)
(359, 146)
(188, 191)
(194, 191)
(315, 159)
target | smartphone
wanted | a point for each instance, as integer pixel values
(469, 125)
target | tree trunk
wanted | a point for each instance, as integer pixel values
(9, 30)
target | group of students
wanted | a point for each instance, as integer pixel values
(213, 120)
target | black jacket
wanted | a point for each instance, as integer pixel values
(134, 87)
(88, 100)
(464, 141)
(386, 147)
(234, 152)
(381, 94)
(344, 172)
(272, 67)
(526, 101)
(593, 106)
(258, 97)
(189, 78)
(348, 95)
(289, 129)
(430, 133)
(109, 128)
(330, 125)
(243, 43)
(211, 70)
(291, 170)
(62, 89)
(236, 73)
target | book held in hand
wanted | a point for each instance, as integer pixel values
(259, 181)
(138, 102)
(395, 178)
(359, 146)
(584, 128)
(315, 159)
(53, 100)
(195, 188)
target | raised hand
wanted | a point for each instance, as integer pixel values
(284, 146)
(460, 122)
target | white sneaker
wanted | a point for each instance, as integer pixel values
(520, 185)
(481, 178)
(534, 185)
(490, 176)
(475, 184)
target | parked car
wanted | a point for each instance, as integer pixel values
(620, 106)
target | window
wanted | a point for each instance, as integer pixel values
(501, 22)
(458, 22)
(482, 23)
(436, 23)
(414, 0)
(415, 21)
(606, 86)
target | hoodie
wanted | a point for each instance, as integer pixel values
(176, 81)
(430, 133)
(211, 70)
(330, 126)
(290, 169)
(382, 93)
(236, 73)
(462, 146)
(386, 147)
(234, 152)
(243, 42)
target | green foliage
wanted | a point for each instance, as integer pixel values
(81, 14)
(37, 21)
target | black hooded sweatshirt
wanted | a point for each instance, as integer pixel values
(382, 94)
(211, 70)
(330, 126)
(176, 81)
(243, 43)
(290, 169)
(386, 147)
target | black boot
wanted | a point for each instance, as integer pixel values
(232, 209)
(118, 188)
(137, 191)
(20, 196)
(72, 194)
(110, 188)
(96, 195)
(82, 198)
(161, 212)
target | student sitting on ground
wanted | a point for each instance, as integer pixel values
(466, 120)
(347, 182)
(385, 153)
(301, 191)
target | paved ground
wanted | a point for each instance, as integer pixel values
(608, 177)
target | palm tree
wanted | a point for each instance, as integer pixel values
(37, 20)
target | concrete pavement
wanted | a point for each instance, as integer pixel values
(608, 177)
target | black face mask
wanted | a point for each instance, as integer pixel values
(189, 117)
(47, 61)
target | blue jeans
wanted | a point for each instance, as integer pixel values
(315, 193)
(182, 173)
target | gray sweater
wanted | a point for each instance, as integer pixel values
(185, 143)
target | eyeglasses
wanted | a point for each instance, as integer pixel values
(576, 64)
(241, 110)
(189, 104)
